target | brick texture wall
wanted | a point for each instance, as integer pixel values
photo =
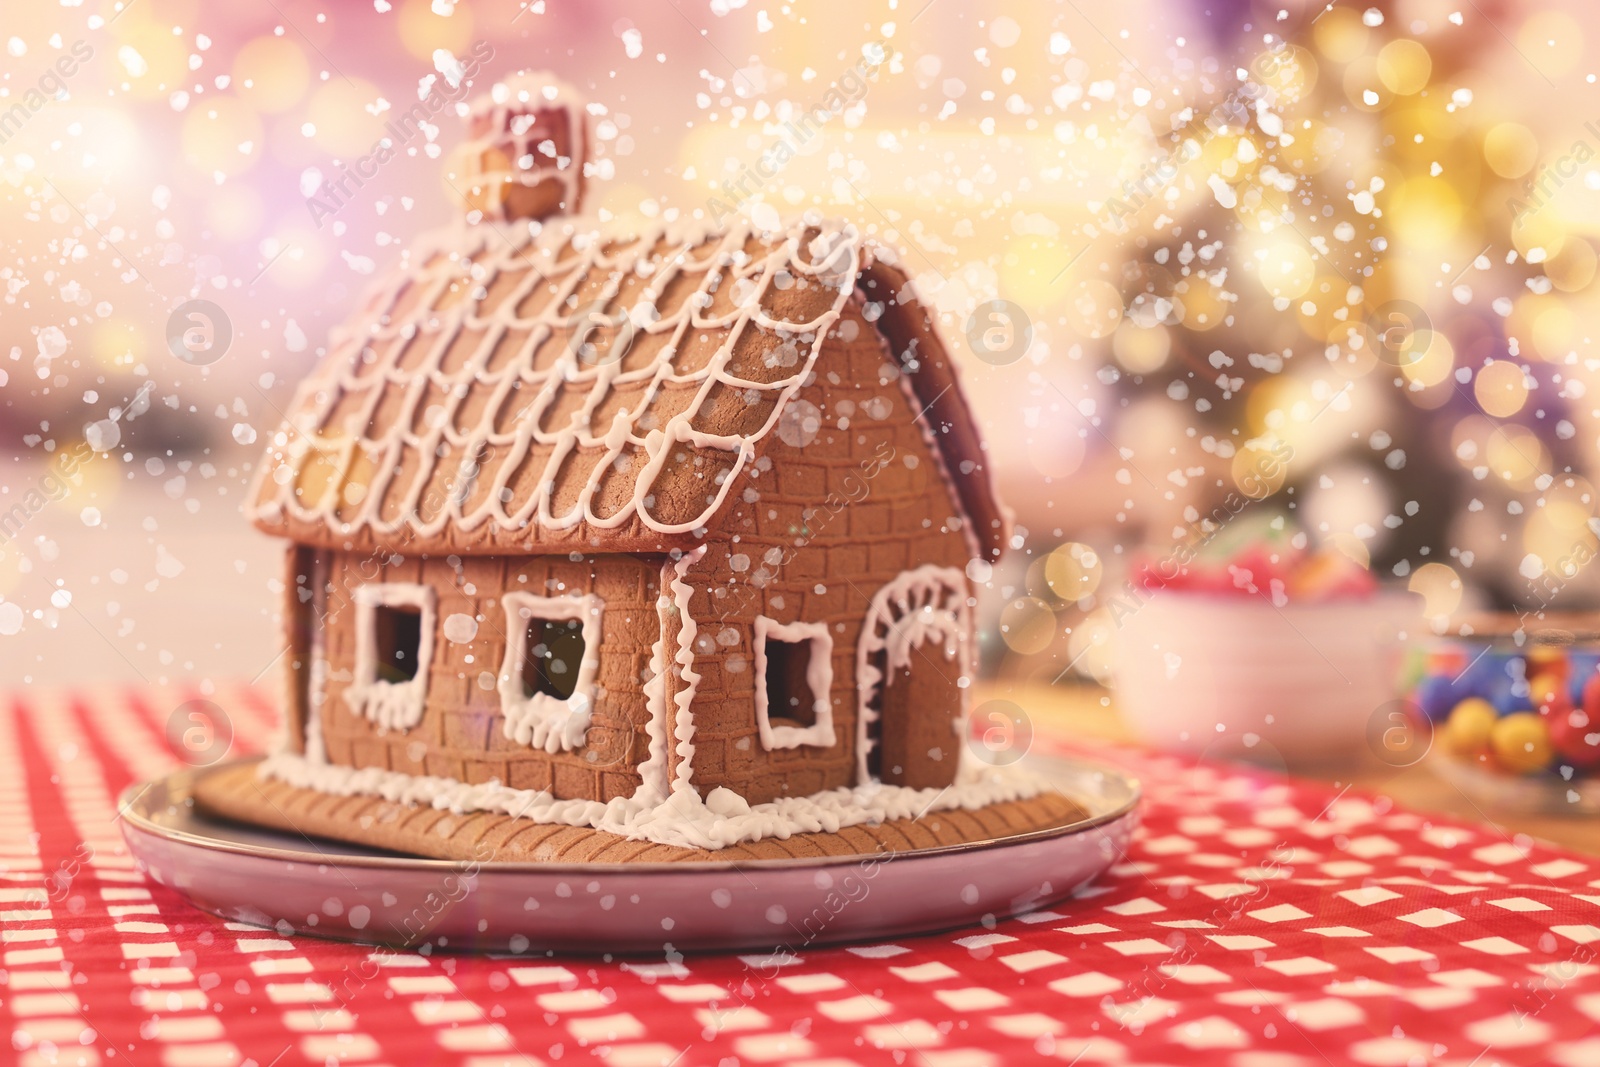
(461, 734)
(831, 555)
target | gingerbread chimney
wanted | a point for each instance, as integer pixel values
(526, 149)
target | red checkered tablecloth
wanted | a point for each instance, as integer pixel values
(1256, 922)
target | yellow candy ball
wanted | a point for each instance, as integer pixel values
(1467, 729)
(1546, 688)
(1544, 685)
(1521, 743)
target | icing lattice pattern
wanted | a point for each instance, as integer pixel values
(543, 382)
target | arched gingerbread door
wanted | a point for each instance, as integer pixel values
(915, 650)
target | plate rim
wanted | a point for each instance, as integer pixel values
(177, 786)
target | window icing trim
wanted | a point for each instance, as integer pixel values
(390, 705)
(819, 676)
(544, 721)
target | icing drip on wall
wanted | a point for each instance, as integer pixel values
(653, 785)
(683, 728)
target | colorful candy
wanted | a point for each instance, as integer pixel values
(1514, 708)
(1262, 562)
(1576, 737)
(1549, 694)
(1437, 695)
(1329, 575)
(1589, 698)
(1582, 667)
(1505, 688)
(1547, 659)
(1521, 743)
(1466, 732)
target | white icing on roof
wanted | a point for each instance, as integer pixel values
(545, 382)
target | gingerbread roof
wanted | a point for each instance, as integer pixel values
(575, 389)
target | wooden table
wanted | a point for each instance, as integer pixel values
(1090, 712)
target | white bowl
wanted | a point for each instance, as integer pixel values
(1204, 674)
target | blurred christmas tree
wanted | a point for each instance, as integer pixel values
(1342, 252)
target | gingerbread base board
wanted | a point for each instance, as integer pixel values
(287, 881)
(237, 792)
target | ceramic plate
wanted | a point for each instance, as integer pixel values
(327, 889)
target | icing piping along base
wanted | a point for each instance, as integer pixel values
(684, 819)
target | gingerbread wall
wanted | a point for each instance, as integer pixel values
(461, 732)
(838, 522)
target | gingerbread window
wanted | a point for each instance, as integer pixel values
(547, 679)
(394, 651)
(794, 677)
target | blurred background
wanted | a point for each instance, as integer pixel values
(1172, 243)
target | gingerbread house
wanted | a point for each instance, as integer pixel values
(594, 517)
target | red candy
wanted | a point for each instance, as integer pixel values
(1254, 568)
(1571, 735)
(1545, 660)
(1591, 698)
(1331, 575)
(1273, 570)
(1449, 662)
(1550, 696)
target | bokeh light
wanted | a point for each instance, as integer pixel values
(1440, 588)
(222, 137)
(1501, 389)
(271, 74)
(1027, 625)
(1404, 66)
(1094, 309)
(1142, 350)
(1073, 571)
(1511, 149)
